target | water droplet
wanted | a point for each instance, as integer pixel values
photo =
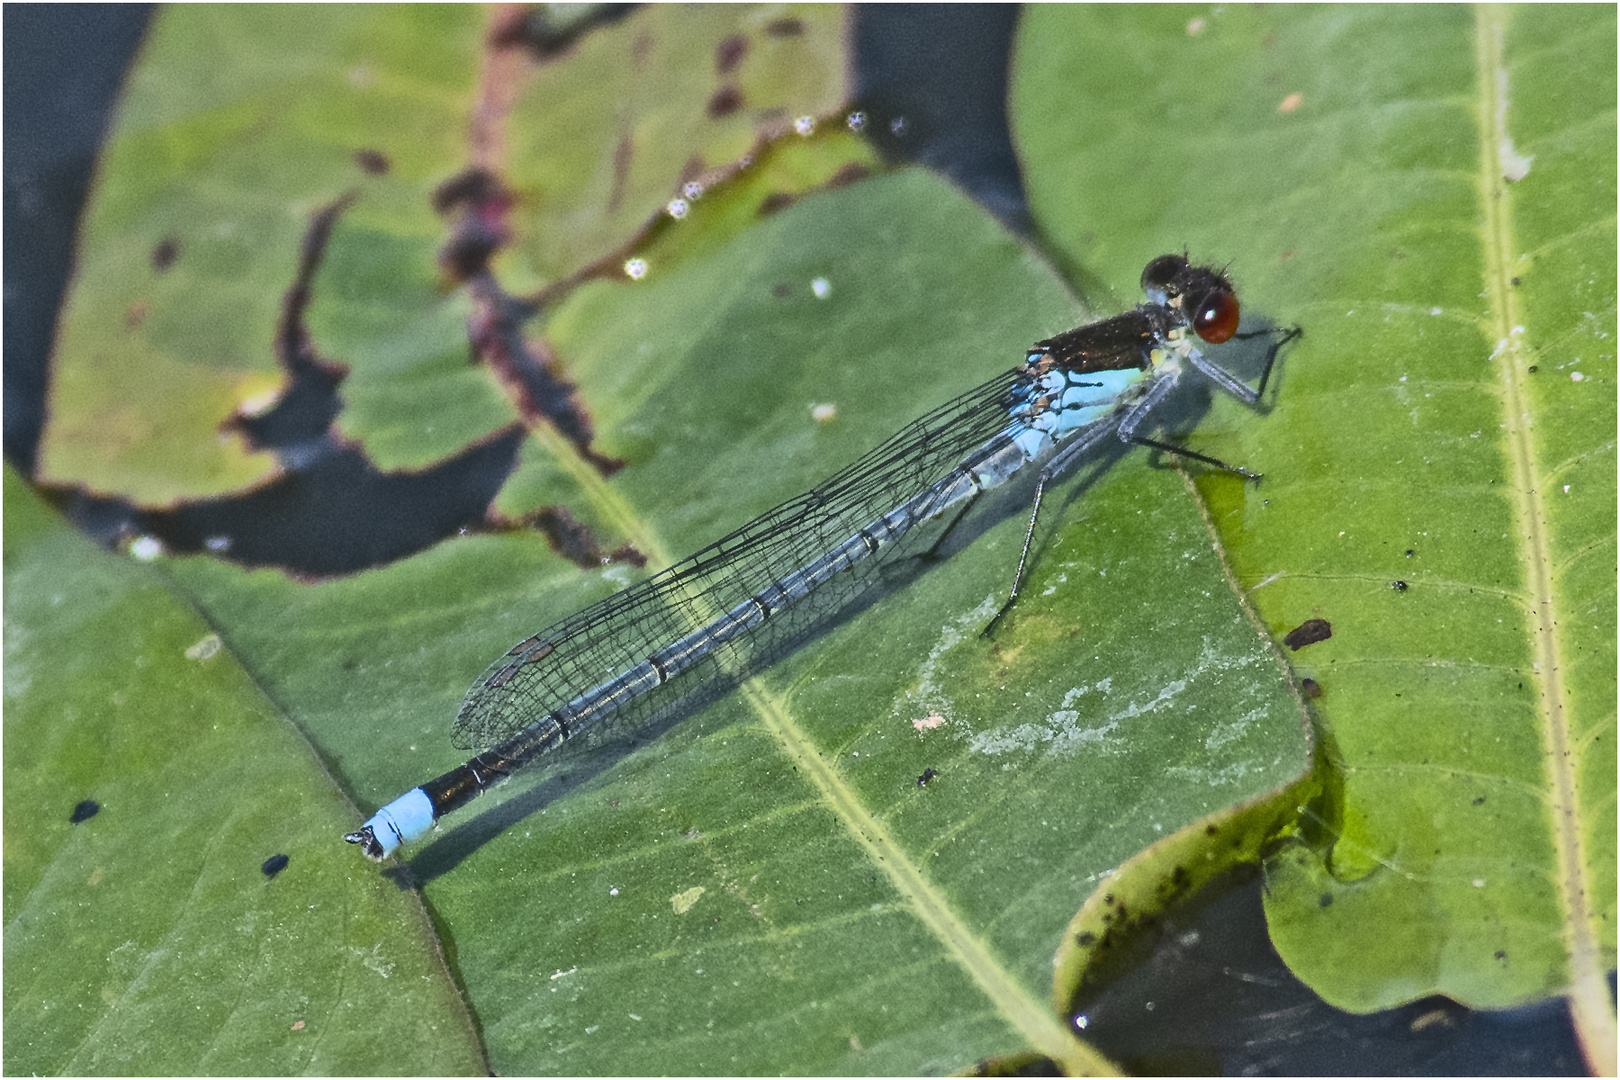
(635, 269)
(677, 208)
(804, 125)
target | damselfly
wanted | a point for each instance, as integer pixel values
(711, 616)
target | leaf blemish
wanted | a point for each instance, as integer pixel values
(165, 253)
(723, 102)
(1308, 632)
(729, 53)
(373, 162)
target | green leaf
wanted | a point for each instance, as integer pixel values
(1447, 422)
(1126, 697)
(602, 137)
(233, 128)
(237, 125)
(145, 938)
(765, 886)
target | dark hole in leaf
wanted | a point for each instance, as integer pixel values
(164, 253)
(302, 415)
(373, 162)
(724, 102)
(729, 53)
(342, 514)
(787, 26)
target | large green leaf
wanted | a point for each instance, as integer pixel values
(237, 123)
(145, 938)
(1127, 696)
(1430, 192)
(765, 887)
(596, 140)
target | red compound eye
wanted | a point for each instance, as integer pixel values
(1216, 318)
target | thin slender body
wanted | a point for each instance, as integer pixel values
(810, 557)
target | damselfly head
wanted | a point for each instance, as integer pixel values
(1204, 295)
(1160, 278)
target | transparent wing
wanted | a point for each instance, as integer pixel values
(553, 667)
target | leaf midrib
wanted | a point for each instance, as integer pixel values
(1031, 1017)
(1503, 314)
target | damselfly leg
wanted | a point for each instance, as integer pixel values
(1126, 423)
